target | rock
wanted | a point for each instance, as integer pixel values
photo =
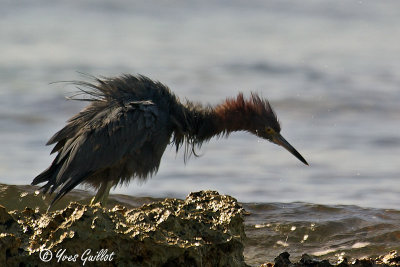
(390, 258)
(282, 260)
(205, 229)
(343, 263)
(306, 260)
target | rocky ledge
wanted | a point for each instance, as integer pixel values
(391, 259)
(205, 229)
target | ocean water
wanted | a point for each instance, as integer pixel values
(331, 70)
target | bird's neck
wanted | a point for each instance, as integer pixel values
(203, 123)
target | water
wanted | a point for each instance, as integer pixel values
(323, 231)
(329, 68)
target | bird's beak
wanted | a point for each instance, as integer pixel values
(279, 140)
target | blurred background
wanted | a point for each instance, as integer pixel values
(329, 68)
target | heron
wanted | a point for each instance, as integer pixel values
(130, 120)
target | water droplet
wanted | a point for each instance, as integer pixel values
(293, 228)
(23, 194)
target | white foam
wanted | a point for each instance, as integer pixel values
(323, 252)
(360, 245)
(282, 243)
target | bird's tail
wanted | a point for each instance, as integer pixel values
(49, 176)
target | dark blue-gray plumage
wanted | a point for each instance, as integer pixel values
(123, 132)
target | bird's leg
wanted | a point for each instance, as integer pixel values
(102, 194)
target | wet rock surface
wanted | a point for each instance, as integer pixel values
(391, 259)
(205, 229)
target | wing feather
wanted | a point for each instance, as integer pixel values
(102, 142)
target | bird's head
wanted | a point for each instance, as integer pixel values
(263, 122)
(275, 137)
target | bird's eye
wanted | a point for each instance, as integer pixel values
(269, 130)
